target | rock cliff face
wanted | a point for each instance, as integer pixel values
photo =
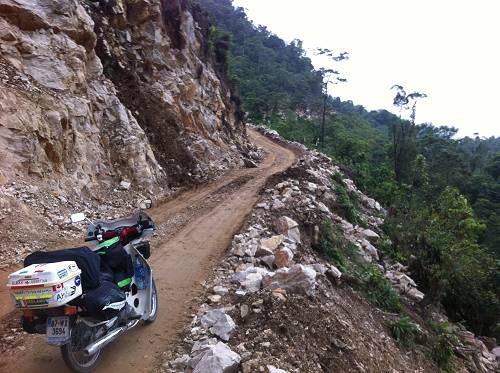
(164, 116)
(157, 53)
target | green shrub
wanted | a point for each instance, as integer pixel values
(404, 331)
(378, 290)
(443, 348)
(345, 202)
(331, 244)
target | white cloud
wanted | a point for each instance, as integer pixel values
(445, 48)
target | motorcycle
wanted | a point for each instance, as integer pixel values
(82, 320)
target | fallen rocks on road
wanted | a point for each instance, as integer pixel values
(219, 323)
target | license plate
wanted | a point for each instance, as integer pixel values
(58, 330)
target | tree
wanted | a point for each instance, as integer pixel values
(403, 132)
(328, 76)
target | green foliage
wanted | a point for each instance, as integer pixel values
(345, 202)
(404, 331)
(378, 289)
(332, 245)
(442, 352)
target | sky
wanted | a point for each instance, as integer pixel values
(448, 49)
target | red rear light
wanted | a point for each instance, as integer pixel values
(70, 310)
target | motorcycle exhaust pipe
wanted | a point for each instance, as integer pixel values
(92, 348)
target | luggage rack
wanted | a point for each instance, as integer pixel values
(140, 220)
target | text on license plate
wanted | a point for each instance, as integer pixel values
(58, 330)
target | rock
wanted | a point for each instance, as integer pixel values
(250, 279)
(277, 204)
(218, 359)
(249, 163)
(370, 235)
(273, 242)
(180, 363)
(370, 249)
(220, 324)
(268, 261)
(496, 352)
(415, 294)
(283, 258)
(263, 251)
(244, 309)
(287, 227)
(214, 298)
(279, 294)
(125, 185)
(333, 274)
(489, 342)
(145, 204)
(220, 290)
(78, 217)
(273, 369)
(322, 207)
(199, 348)
(263, 205)
(297, 279)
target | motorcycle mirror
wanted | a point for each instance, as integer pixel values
(78, 217)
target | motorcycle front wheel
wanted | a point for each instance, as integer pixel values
(77, 360)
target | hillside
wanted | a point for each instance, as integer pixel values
(442, 192)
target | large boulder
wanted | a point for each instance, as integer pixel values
(250, 279)
(370, 235)
(287, 227)
(273, 242)
(214, 358)
(297, 279)
(219, 323)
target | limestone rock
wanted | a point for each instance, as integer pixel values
(273, 242)
(218, 359)
(287, 227)
(250, 279)
(220, 324)
(273, 369)
(297, 279)
(370, 235)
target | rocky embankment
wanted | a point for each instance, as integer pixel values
(104, 106)
(276, 304)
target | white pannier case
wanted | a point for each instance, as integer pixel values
(45, 285)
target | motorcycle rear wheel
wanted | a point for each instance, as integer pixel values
(77, 361)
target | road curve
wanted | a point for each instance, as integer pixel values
(195, 229)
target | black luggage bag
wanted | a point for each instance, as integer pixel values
(88, 261)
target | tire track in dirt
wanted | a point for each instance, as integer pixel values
(194, 230)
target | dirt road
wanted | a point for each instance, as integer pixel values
(194, 230)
